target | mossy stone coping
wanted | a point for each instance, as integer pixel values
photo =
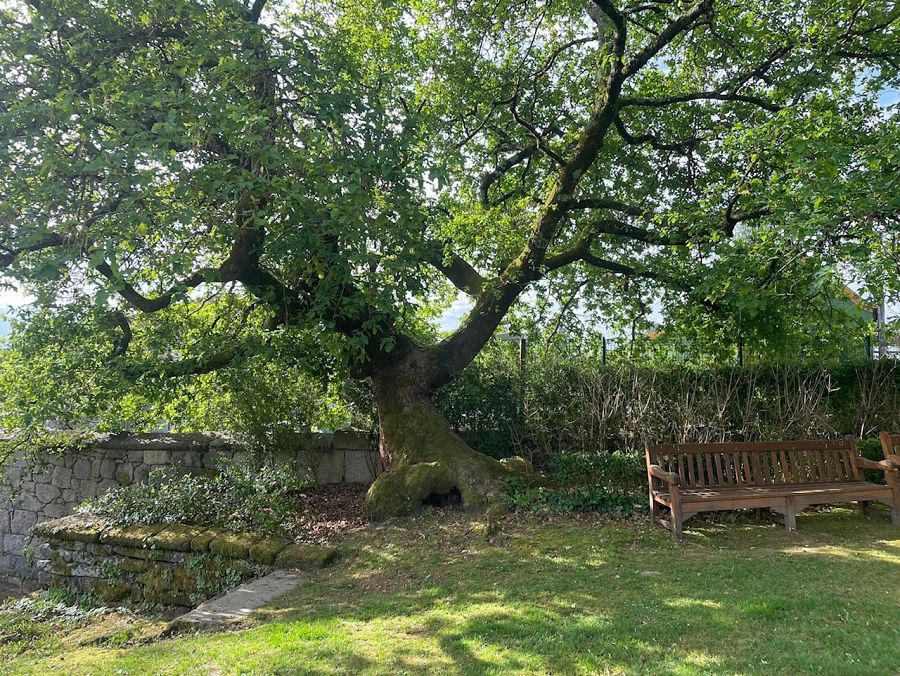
(179, 537)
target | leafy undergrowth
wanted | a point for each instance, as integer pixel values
(561, 593)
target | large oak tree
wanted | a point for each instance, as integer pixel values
(308, 181)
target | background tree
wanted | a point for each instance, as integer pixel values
(190, 186)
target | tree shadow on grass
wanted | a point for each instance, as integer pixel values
(425, 596)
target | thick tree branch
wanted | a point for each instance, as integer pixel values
(256, 10)
(669, 33)
(538, 138)
(659, 102)
(155, 303)
(583, 253)
(655, 142)
(455, 268)
(189, 366)
(121, 343)
(732, 218)
(452, 354)
(492, 176)
(617, 228)
(9, 256)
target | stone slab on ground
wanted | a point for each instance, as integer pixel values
(237, 604)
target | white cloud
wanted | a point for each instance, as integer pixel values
(14, 297)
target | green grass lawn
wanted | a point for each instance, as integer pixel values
(561, 594)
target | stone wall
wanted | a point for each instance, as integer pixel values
(162, 564)
(65, 480)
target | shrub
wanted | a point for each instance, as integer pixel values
(554, 406)
(616, 471)
(243, 496)
(522, 498)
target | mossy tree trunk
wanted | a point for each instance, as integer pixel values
(421, 454)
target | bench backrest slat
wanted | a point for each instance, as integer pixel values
(760, 464)
(890, 444)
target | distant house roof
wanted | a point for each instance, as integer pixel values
(857, 301)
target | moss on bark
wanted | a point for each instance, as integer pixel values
(423, 454)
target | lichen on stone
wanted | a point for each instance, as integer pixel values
(135, 535)
(77, 528)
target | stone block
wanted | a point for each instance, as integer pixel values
(211, 458)
(305, 556)
(108, 468)
(176, 537)
(14, 475)
(124, 474)
(61, 477)
(47, 492)
(330, 467)
(25, 486)
(87, 488)
(201, 542)
(132, 565)
(187, 459)
(361, 441)
(267, 549)
(136, 535)
(41, 475)
(233, 545)
(27, 501)
(14, 544)
(82, 469)
(112, 593)
(106, 485)
(157, 457)
(87, 570)
(55, 511)
(141, 472)
(74, 529)
(22, 521)
(361, 466)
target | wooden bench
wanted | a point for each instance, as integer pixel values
(890, 444)
(784, 476)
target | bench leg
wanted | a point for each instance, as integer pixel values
(677, 513)
(895, 508)
(790, 514)
(654, 510)
(677, 525)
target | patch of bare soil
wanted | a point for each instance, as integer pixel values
(329, 511)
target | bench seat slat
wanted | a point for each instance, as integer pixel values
(701, 494)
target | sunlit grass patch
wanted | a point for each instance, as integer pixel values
(551, 595)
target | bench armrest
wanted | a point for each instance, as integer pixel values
(883, 465)
(660, 473)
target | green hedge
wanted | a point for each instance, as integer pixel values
(567, 417)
